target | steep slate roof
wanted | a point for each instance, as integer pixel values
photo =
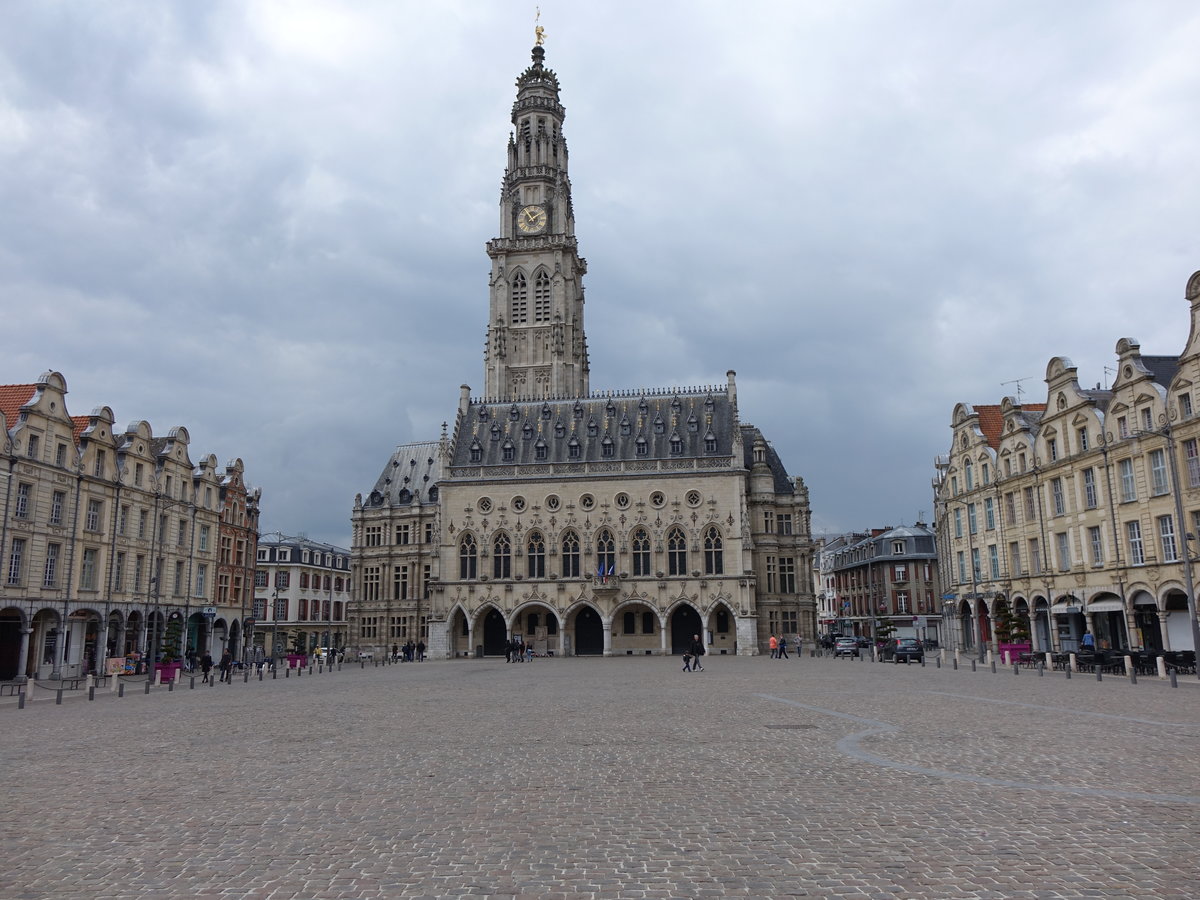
(691, 415)
(750, 434)
(12, 398)
(412, 467)
(1163, 368)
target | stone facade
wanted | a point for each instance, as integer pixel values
(110, 539)
(1076, 512)
(301, 596)
(886, 575)
(584, 522)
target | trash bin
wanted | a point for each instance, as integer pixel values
(479, 651)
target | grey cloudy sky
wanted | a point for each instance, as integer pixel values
(266, 221)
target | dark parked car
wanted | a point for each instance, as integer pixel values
(907, 649)
(845, 646)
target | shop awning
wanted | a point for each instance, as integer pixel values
(1111, 605)
(1065, 609)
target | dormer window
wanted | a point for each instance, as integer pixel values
(496, 432)
(606, 447)
(514, 413)
(626, 427)
(509, 451)
(476, 452)
(573, 449)
(527, 432)
(643, 406)
(710, 443)
(676, 444)
(545, 412)
(593, 429)
(642, 447)
(539, 449)
(693, 424)
(483, 414)
(578, 410)
(660, 427)
(560, 430)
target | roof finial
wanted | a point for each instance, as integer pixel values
(539, 33)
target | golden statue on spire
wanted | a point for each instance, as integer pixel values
(539, 33)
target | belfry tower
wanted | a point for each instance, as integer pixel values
(536, 346)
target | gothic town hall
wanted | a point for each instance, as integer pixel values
(608, 522)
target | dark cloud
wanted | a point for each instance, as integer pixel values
(266, 222)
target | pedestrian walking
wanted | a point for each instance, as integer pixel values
(420, 651)
(1088, 642)
(697, 651)
(529, 652)
(206, 666)
(782, 653)
(687, 662)
(773, 643)
(227, 667)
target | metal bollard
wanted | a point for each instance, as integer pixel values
(972, 665)
(1016, 669)
(147, 685)
(954, 662)
(274, 671)
(1132, 677)
(1068, 672)
(993, 667)
(1099, 676)
(1041, 671)
(937, 660)
(1174, 683)
(121, 690)
(287, 673)
(20, 699)
(58, 697)
(260, 674)
(92, 692)
(192, 685)
(171, 686)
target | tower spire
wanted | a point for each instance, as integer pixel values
(535, 344)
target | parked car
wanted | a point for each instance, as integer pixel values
(905, 648)
(845, 646)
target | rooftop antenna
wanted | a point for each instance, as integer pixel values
(1108, 371)
(1017, 382)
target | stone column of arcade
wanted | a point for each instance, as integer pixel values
(23, 671)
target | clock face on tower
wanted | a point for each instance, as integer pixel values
(532, 219)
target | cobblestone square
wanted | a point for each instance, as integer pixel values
(609, 778)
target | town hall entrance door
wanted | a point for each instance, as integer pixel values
(589, 633)
(685, 622)
(495, 634)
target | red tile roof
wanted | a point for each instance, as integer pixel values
(991, 420)
(12, 398)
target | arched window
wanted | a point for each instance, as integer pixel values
(629, 623)
(647, 623)
(468, 557)
(502, 557)
(676, 552)
(606, 557)
(518, 294)
(714, 562)
(535, 553)
(570, 555)
(722, 621)
(541, 297)
(641, 552)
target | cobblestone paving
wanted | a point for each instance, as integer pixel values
(609, 778)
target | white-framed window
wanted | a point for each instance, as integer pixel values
(1185, 404)
(1122, 426)
(1083, 440)
(21, 504)
(958, 531)
(1056, 493)
(972, 523)
(897, 548)
(1089, 488)
(962, 567)
(1096, 542)
(87, 573)
(50, 573)
(1158, 472)
(1064, 550)
(1166, 539)
(1191, 455)
(33, 447)
(1014, 558)
(1128, 485)
(1035, 557)
(1137, 553)
(976, 569)
(57, 499)
(994, 560)
(969, 473)
(16, 560)
(1030, 505)
(91, 520)
(986, 472)
(202, 579)
(1052, 448)
(1147, 420)
(989, 513)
